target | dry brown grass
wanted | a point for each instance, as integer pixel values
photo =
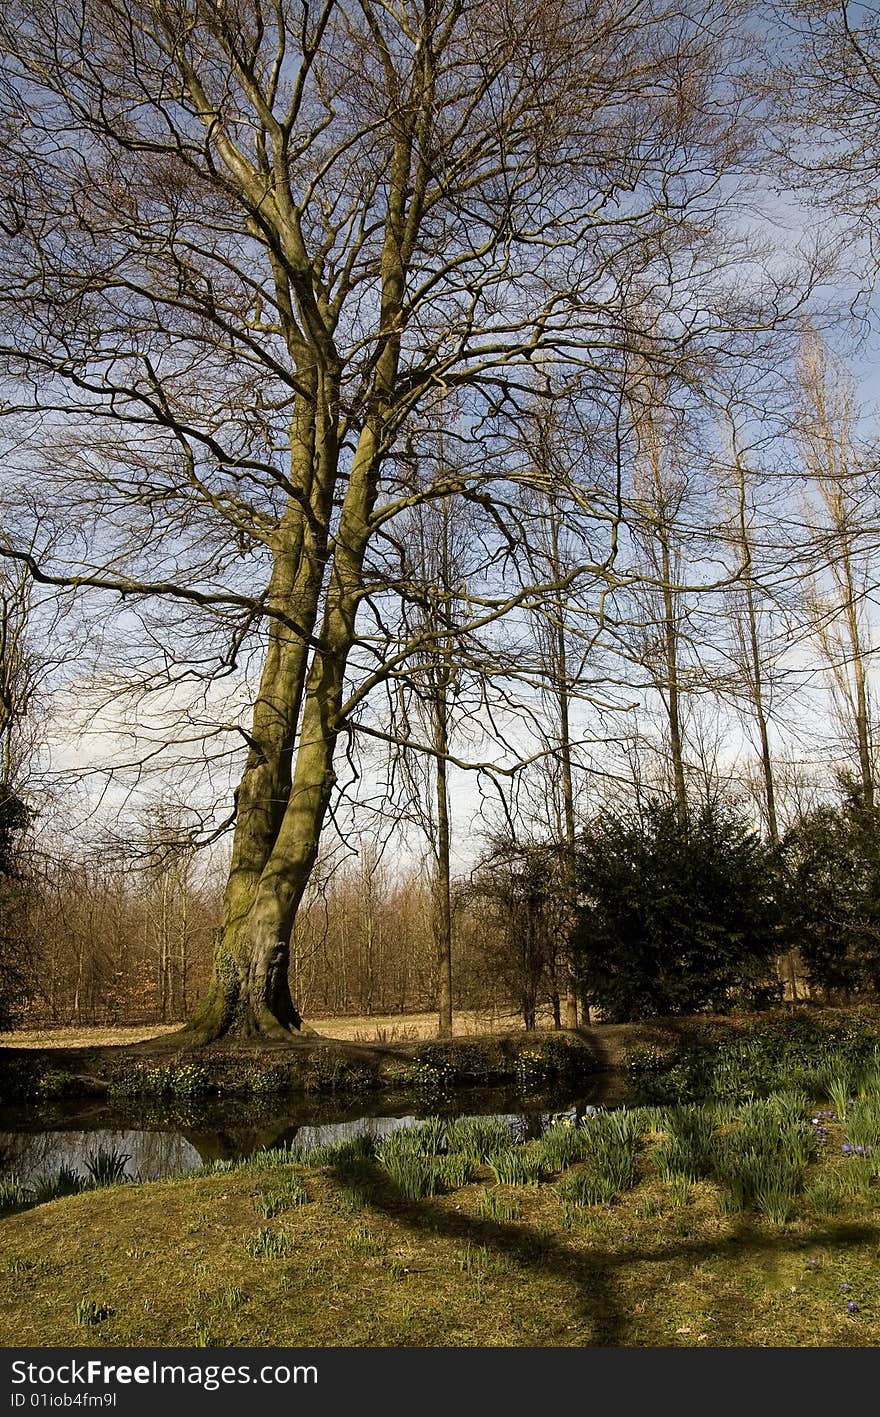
(377, 1028)
(412, 1028)
(83, 1036)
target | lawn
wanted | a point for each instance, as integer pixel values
(327, 1249)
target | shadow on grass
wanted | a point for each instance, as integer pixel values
(593, 1275)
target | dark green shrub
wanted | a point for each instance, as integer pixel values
(832, 904)
(680, 915)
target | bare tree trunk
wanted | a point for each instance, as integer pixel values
(673, 707)
(787, 963)
(845, 486)
(569, 1014)
(662, 503)
(443, 900)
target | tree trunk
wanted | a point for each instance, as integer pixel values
(279, 819)
(443, 902)
(568, 1017)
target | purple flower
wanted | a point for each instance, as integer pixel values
(852, 1306)
(845, 1288)
(846, 1146)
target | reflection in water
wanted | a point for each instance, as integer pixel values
(165, 1143)
(151, 1155)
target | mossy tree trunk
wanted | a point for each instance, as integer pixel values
(315, 590)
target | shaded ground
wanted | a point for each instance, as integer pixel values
(375, 1037)
(350, 1055)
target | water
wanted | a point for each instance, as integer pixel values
(163, 1140)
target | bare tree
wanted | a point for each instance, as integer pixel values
(824, 69)
(841, 552)
(246, 244)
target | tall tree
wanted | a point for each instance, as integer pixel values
(246, 243)
(842, 555)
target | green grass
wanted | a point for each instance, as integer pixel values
(597, 1239)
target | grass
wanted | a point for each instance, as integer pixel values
(659, 1257)
(375, 1028)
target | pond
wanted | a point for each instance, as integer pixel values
(166, 1139)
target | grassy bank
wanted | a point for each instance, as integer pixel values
(168, 1066)
(749, 1225)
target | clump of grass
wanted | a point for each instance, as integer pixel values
(266, 1159)
(64, 1182)
(688, 1152)
(267, 1245)
(415, 1173)
(430, 1135)
(776, 1203)
(653, 1118)
(272, 1202)
(761, 1163)
(586, 1186)
(869, 1078)
(231, 1298)
(454, 1170)
(364, 1242)
(824, 1195)
(425, 1139)
(856, 1179)
(609, 1166)
(649, 1206)
(106, 1165)
(89, 1311)
(20, 1264)
(352, 1154)
(788, 1104)
(519, 1165)
(839, 1088)
(478, 1137)
(862, 1126)
(499, 1205)
(563, 1144)
(13, 1195)
(679, 1190)
(622, 1126)
(348, 1200)
(479, 1261)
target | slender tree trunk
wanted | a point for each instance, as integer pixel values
(183, 950)
(443, 900)
(862, 710)
(569, 993)
(673, 702)
(787, 962)
(565, 1009)
(368, 866)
